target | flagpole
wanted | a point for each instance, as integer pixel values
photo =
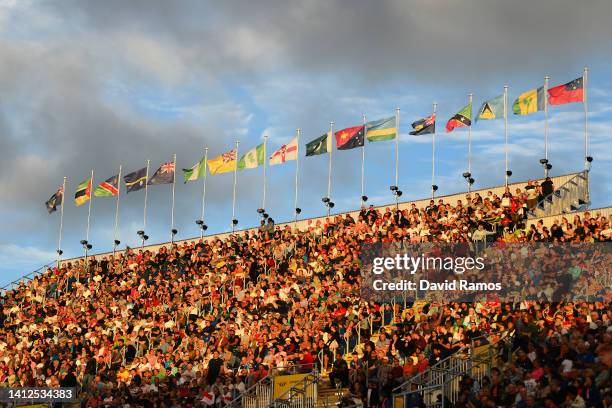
(546, 78)
(61, 228)
(117, 210)
(586, 117)
(144, 222)
(234, 221)
(506, 132)
(172, 230)
(331, 141)
(297, 161)
(204, 190)
(470, 145)
(89, 208)
(433, 157)
(397, 124)
(363, 161)
(263, 201)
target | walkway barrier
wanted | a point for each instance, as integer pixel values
(441, 383)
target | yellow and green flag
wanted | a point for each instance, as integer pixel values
(253, 158)
(196, 172)
(529, 102)
(83, 192)
(381, 130)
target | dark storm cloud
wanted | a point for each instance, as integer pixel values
(380, 40)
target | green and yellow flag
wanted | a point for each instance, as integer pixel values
(381, 130)
(529, 102)
(83, 192)
(196, 172)
(253, 158)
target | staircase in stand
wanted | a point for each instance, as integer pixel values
(570, 197)
(329, 397)
(440, 383)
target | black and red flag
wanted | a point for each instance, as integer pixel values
(108, 188)
(463, 118)
(350, 138)
(573, 91)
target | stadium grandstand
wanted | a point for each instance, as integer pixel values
(273, 316)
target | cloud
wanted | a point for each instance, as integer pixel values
(19, 259)
(379, 41)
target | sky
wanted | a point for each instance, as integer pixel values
(94, 85)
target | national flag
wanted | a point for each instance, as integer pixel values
(136, 180)
(196, 172)
(463, 118)
(55, 200)
(108, 188)
(350, 138)
(381, 130)
(253, 158)
(163, 175)
(424, 126)
(83, 192)
(320, 145)
(223, 163)
(492, 109)
(573, 91)
(286, 152)
(529, 102)
(208, 398)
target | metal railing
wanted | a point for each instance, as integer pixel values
(572, 196)
(441, 383)
(259, 394)
(302, 394)
(30, 276)
(256, 396)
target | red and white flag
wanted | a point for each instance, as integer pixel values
(286, 152)
(208, 398)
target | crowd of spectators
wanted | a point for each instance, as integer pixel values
(197, 323)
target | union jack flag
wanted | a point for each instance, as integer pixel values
(229, 156)
(163, 175)
(167, 167)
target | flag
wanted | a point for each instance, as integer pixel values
(163, 175)
(253, 158)
(286, 152)
(83, 192)
(196, 172)
(55, 200)
(349, 138)
(424, 126)
(223, 163)
(108, 188)
(320, 145)
(381, 130)
(136, 180)
(463, 118)
(529, 102)
(492, 109)
(566, 93)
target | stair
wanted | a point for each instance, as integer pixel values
(328, 397)
(570, 197)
